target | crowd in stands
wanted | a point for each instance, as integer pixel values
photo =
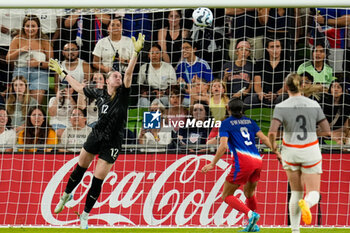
(185, 72)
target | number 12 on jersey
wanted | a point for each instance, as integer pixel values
(114, 152)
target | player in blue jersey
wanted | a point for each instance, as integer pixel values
(238, 134)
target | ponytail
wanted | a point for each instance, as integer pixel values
(313, 90)
(293, 82)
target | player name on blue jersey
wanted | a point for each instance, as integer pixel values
(241, 122)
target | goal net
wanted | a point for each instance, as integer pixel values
(185, 73)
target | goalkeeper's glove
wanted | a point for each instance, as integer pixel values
(54, 65)
(138, 44)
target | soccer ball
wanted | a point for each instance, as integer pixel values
(202, 17)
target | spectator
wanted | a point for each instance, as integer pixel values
(86, 30)
(313, 90)
(196, 135)
(238, 73)
(60, 108)
(199, 91)
(113, 52)
(318, 67)
(18, 102)
(176, 112)
(336, 107)
(269, 77)
(76, 134)
(98, 81)
(333, 23)
(31, 53)
(37, 131)
(161, 136)
(10, 23)
(218, 100)
(75, 66)
(191, 67)
(50, 20)
(283, 23)
(7, 134)
(156, 77)
(244, 25)
(171, 37)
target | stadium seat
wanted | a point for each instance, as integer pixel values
(330, 142)
(135, 117)
(262, 116)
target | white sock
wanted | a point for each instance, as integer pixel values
(64, 196)
(294, 210)
(85, 215)
(312, 198)
(250, 214)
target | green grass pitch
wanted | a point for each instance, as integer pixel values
(168, 230)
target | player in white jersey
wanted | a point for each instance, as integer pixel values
(301, 155)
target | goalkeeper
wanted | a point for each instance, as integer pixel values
(107, 135)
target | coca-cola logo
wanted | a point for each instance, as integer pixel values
(174, 188)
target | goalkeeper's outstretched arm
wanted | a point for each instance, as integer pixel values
(77, 86)
(55, 66)
(138, 45)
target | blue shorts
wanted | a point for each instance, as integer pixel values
(38, 79)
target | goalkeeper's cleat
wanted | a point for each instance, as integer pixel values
(84, 220)
(63, 200)
(256, 228)
(252, 221)
(305, 212)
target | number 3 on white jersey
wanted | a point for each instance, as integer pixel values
(246, 135)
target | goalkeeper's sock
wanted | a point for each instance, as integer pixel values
(93, 194)
(237, 204)
(312, 198)
(294, 210)
(75, 178)
(251, 203)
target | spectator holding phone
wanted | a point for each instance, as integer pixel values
(60, 108)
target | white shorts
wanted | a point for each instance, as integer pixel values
(308, 160)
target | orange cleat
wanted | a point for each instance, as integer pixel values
(305, 212)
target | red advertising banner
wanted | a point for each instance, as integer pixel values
(158, 190)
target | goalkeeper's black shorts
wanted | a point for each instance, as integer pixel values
(105, 149)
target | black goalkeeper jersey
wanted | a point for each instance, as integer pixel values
(112, 114)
